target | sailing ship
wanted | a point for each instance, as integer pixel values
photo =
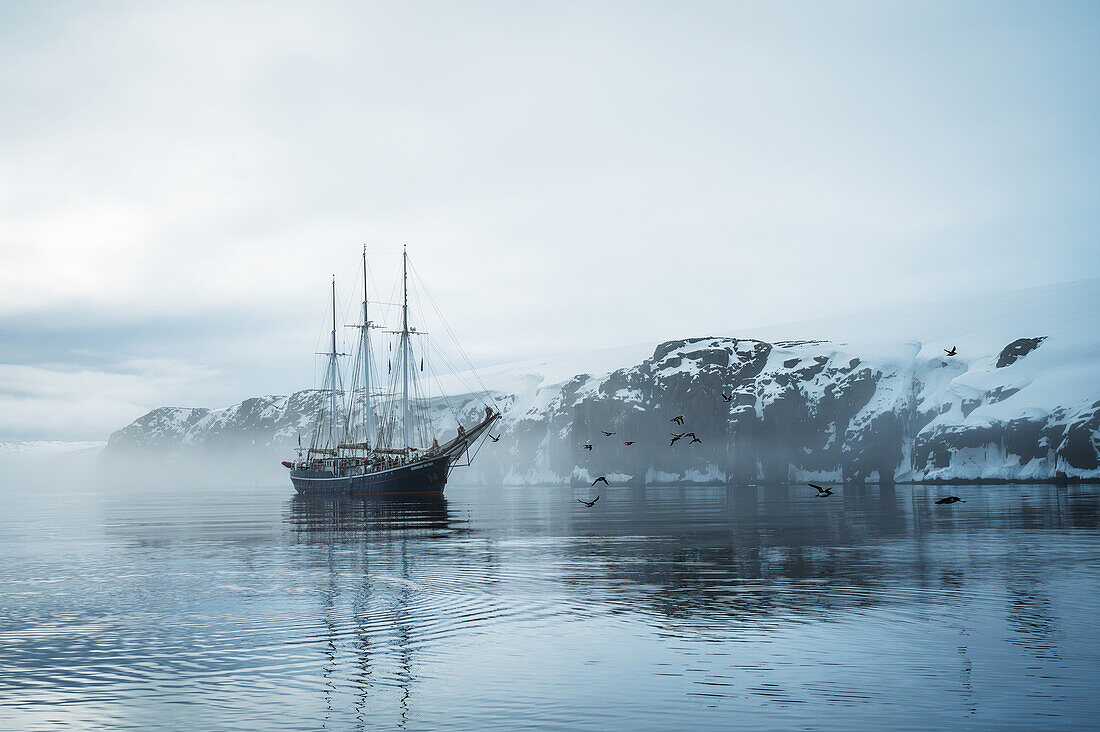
(371, 442)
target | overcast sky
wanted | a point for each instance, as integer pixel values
(178, 181)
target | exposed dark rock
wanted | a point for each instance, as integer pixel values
(1017, 350)
(1001, 393)
(1080, 440)
(969, 405)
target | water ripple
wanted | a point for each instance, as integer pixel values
(664, 608)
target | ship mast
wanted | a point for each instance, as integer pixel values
(405, 345)
(333, 370)
(366, 359)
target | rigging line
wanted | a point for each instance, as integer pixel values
(424, 417)
(430, 413)
(354, 401)
(450, 331)
(484, 390)
(456, 374)
(323, 334)
(423, 391)
(415, 387)
(425, 346)
(442, 392)
(419, 417)
(480, 444)
(391, 406)
(432, 375)
(412, 414)
(386, 309)
(432, 346)
(428, 355)
(359, 400)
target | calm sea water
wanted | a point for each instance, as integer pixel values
(508, 608)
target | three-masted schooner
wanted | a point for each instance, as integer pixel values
(363, 439)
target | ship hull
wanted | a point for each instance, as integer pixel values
(420, 478)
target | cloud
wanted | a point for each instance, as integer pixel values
(66, 403)
(180, 181)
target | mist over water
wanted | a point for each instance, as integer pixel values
(245, 607)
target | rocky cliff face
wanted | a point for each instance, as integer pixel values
(804, 410)
(261, 422)
(782, 411)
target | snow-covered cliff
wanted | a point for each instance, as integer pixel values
(796, 410)
(1020, 400)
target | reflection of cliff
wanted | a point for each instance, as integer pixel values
(742, 554)
(712, 557)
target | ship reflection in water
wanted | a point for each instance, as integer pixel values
(382, 634)
(494, 608)
(328, 519)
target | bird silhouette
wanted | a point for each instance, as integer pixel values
(950, 499)
(952, 352)
(591, 503)
(601, 479)
(727, 397)
(628, 443)
(494, 439)
(694, 439)
(676, 437)
(821, 492)
(588, 446)
(607, 434)
(679, 419)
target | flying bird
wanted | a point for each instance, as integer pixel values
(679, 419)
(676, 437)
(591, 503)
(588, 446)
(727, 397)
(601, 479)
(494, 439)
(822, 492)
(950, 499)
(952, 352)
(628, 443)
(694, 439)
(607, 434)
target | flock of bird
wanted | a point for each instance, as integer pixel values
(676, 437)
(679, 420)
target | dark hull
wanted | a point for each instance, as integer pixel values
(422, 478)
